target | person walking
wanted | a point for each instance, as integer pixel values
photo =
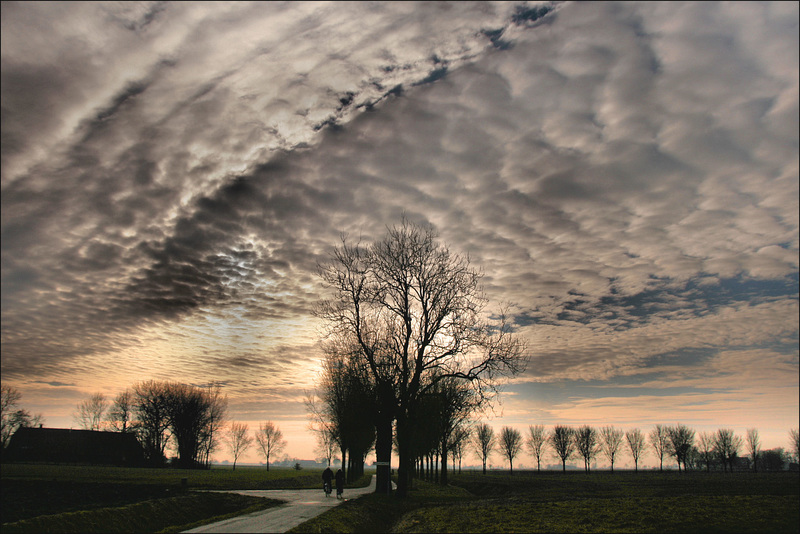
(327, 476)
(339, 484)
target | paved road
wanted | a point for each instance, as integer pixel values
(301, 506)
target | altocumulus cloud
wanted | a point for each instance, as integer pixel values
(625, 174)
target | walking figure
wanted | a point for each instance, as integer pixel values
(327, 476)
(339, 484)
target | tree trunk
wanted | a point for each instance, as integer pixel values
(443, 480)
(383, 454)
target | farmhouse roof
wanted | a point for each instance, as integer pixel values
(63, 445)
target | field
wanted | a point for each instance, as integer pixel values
(39, 498)
(580, 502)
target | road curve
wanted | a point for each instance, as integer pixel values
(301, 506)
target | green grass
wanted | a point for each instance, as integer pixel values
(579, 502)
(172, 514)
(61, 498)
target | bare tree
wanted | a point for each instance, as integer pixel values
(610, 443)
(238, 440)
(753, 446)
(727, 445)
(152, 424)
(681, 439)
(416, 312)
(484, 442)
(120, 413)
(561, 439)
(659, 440)
(536, 442)
(459, 442)
(89, 413)
(270, 440)
(218, 407)
(587, 444)
(636, 444)
(510, 444)
(794, 437)
(12, 417)
(705, 448)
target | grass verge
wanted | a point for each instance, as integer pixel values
(172, 514)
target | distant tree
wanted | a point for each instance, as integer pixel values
(587, 444)
(681, 439)
(794, 436)
(120, 414)
(270, 440)
(727, 446)
(152, 419)
(510, 444)
(89, 414)
(705, 448)
(659, 440)
(636, 444)
(189, 409)
(12, 417)
(459, 442)
(562, 442)
(753, 446)
(772, 459)
(484, 442)
(536, 443)
(218, 407)
(610, 443)
(238, 440)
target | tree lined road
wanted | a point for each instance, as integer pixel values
(301, 506)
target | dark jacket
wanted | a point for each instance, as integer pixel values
(339, 481)
(327, 475)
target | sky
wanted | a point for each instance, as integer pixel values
(624, 174)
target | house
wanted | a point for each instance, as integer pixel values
(67, 446)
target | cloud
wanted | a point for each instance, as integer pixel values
(625, 175)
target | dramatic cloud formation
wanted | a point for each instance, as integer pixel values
(625, 174)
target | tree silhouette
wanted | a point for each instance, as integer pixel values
(587, 444)
(416, 312)
(610, 443)
(659, 440)
(238, 440)
(563, 444)
(636, 444)
(89, 414)
(484, 441)
(270, 440)
(536, 443)
(510, 444)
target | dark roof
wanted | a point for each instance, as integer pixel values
(63, 445)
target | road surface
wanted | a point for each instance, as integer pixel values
(301, 506)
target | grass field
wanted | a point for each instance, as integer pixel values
(37, 498)
(579, 502)
(61, 498)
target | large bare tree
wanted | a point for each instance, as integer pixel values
(417, 313)
(536, 442)
(270, 440)
(705, 448)
(510, 444)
